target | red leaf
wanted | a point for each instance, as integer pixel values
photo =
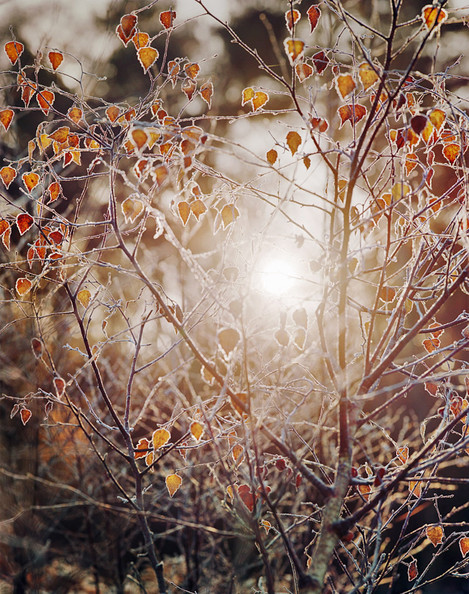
(412, 571)
(247, 497)
(55, 58)
(24, 222)
(167, 18)
(313, 13)
(25, 415)
(320, 61)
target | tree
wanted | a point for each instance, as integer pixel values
(315, 411)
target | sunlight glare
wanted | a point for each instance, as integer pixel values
(277, 277)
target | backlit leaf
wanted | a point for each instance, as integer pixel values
(84, 297)
(75, 114)
(345, 85)
(13, 50)
(433, 16)
(291, 18)
(365, 491)
(412, 571)
(247, 497)
(464, 545)
(293, 141)
(411, 162)
(437, 118)
(228, 338)
(184, 210)
(140, 40)
(188, 87)
(6, 117)
(435, 534)
(7, 174)
(25, 415)
(23, 286)
(403, 453)
(60, 135)
(55, 58)
(4, 225)
(126, 29)
(160, 438)
(131, 208)
(367, 75)
(303, 71)
(173, 482)
(198, 208)
(112, 113)
(294, 49)
(139, 137)
(387, 293)
(167, 18)
(147, 56)
(142, 448)
(431, 344)
(451, 152)
(352, 113)
(248, 94)
(192, 70)
(45, 100)
(272, 156)
(197, 430)
(24, 222)
(159, 174)
(206, 92)
(313, 13)
(320, 61)
(37, 347)
(260, 98)
(6, 234)
(229, 214)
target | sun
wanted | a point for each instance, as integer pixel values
(277, 276)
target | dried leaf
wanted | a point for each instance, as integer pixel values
(228, 338)
(59, 385)
(13, 50)
(30, 180)
(294, 49)
(167, 18)
(173, 482)
(25, 415)
(303, 71)
(37, 347)
(84, 297)
(437, 118)
(247, 496)
(184, 210)
(293, 141)
(291, 18)
(160, 438)
(112, 113)
(23, 286)
(247, 95)
(6, 117)
(132, 208)
(55, 58)
(403, 453)
(412, 571)
(271, 156)
(24, 221)
(229, 214)
(435, 534)
(140, 40)
(464, 545)
(60, 135)
(127, 27)
(147, 56)
(320, 61)
(433, 16)
(142, 448)
(314, 14)
(352, 113)
(197, 430)
(451, 152)
(7, 174)
(192, 70)
(45, 100)
(368, 75)
(189, 87)
(260, 98)
(206, 92)
(345, 85)
(387, 293)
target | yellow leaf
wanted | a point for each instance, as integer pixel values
(147, 56)
(293, 141)
(84, 297)
(173, 482)
(435, 534)
(197, 430)
(131, 208)
(160, 438)
(344, 85)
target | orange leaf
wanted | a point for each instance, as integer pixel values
(142, 448)
(197, 430)
(75, 114)
(344, 85)
(451, 152)
(411, 162)
(160, 438)
(192, 70)
(37, 347)
(30, 180)
(159, 174)
(112, 113)
(237, 452)
(412, 571)
(260, 98)
(435, 534)
(464, 545)
(147, 56)
(131, 208)
(431, 344)
(228, 338)
(198, 208)
(229, 214)
(188, 87)
(55, 58)
(248, 95)
(303, 71)
(173, 71)
(206, 92)
(167, 18)
(272, 156)
(45, 100)
(126, 29)
(173, 482)
(23, 286)
(7, 174)
(387, 293)
(24, 222)
(84, 297)
(433, 16)
(365, 491)
(351, 113)
(54, 191)
(293, 141)
(247, 497)
(25, 415)
(319, 123)
(139, 137)
(6, 238)
(313, 13)
(403, 453)
(367, 75)
(60, 135)
(140, 39)
(240, 402)
(320, 61)
(59, 385)
(437, 118)
(184, 211)
(13, 50)
(4, 225)
(294, 49)
(291, 18)
(6, 117)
